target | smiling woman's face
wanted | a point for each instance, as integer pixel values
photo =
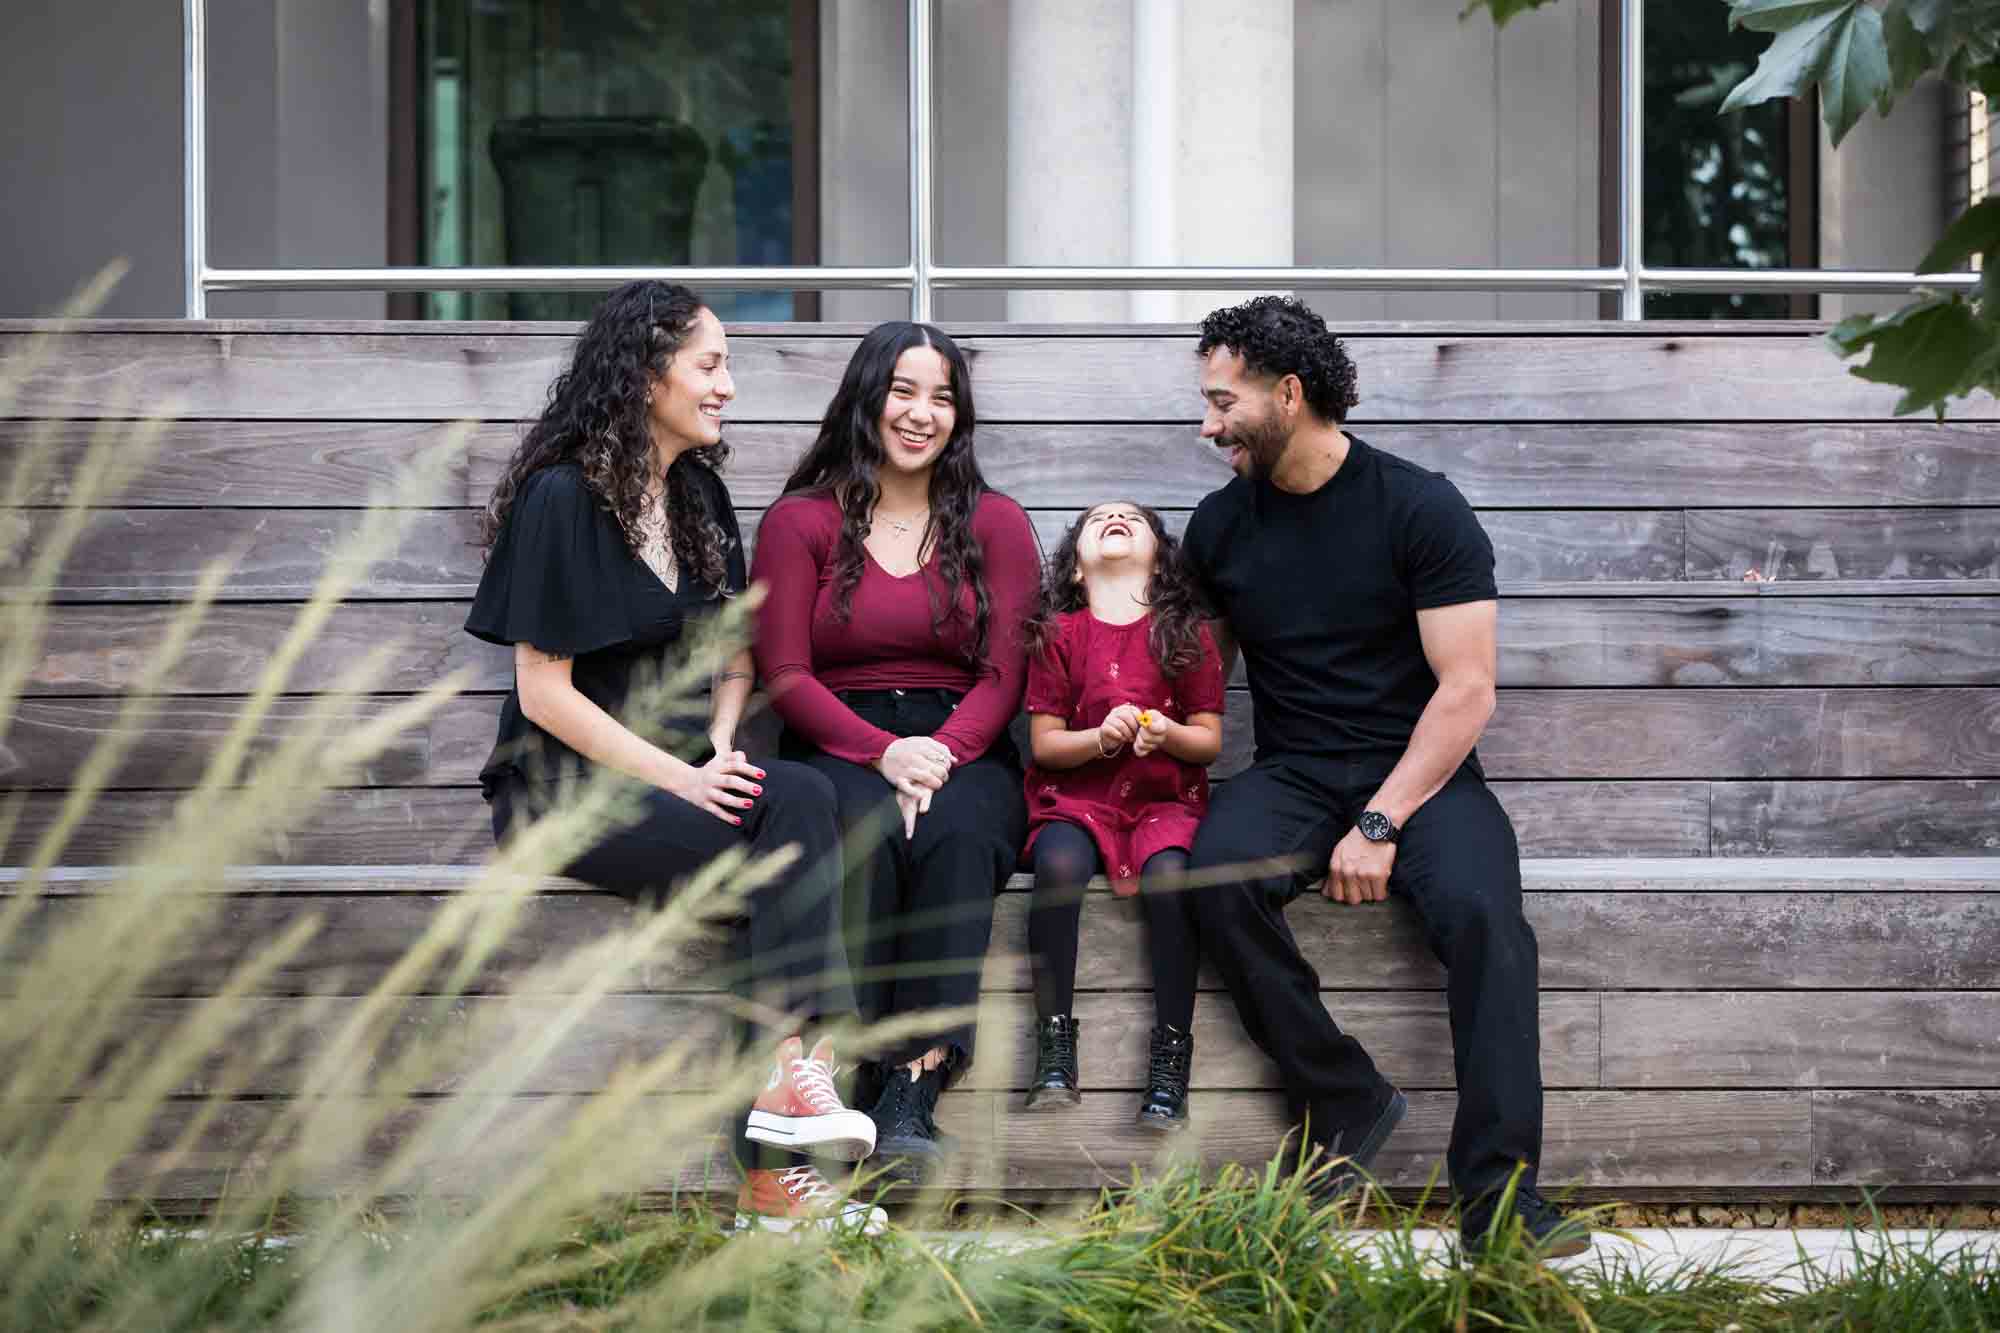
(1115, 536)
(919, 413)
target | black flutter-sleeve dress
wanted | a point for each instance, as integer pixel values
(561, 579)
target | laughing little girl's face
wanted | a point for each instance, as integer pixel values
(1115, 536)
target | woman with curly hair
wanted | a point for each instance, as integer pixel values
(609, 537)
(1125, 708)
(898, 584)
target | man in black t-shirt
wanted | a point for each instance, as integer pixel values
(1359, 589)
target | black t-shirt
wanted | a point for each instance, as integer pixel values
(560, 577)
(1322, 590)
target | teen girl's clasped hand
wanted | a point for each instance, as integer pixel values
(1120, 650)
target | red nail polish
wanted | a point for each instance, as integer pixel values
(760, 773)
(756, 791)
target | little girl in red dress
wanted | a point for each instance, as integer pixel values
(1125, 699)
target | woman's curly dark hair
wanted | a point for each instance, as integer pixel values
(1282, 335)
(846, 459)
(596, 418)
(1175, 606)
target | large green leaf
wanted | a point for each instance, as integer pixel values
(1977, 232)
(1837, 44)
(1933, 349)
(1502, 10)
(1779, 15)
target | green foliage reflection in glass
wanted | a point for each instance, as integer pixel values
(605, 132)
(1716, 186)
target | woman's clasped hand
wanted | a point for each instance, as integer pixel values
(917, 767)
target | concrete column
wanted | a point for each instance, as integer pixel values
(1156, 149)
(1069, 178)
(1236, 140)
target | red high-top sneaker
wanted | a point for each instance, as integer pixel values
(800, 1110)
(800, 1197)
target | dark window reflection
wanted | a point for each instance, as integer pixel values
(1717, 188)
(560, 132)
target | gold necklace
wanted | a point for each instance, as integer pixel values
(901, 526)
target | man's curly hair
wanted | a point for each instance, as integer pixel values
(1282, 335)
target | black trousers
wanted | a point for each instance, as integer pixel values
(1458, 865)
(1065, 859)
(789, 954)
(920, 910)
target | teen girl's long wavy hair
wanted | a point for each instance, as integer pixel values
(1175, 606)
(596, 418)
(846, 459)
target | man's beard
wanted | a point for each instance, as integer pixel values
(1263, 444)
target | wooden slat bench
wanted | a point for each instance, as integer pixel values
(1762, 819)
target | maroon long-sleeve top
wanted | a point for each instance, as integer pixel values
(806, 651)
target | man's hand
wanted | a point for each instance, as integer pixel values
(1359, 870)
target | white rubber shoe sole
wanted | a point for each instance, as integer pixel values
(865, 1218)
(844, 1136)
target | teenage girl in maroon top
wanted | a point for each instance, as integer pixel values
(896, 589)
(1125, 699)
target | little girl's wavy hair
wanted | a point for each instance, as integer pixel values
(1175, 605)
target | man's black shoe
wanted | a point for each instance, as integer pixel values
(1055, 1082)
(1546, 1231)
(1346, 1153)
(907, 1142)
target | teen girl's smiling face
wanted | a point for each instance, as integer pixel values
(919, 413)
(689, 398)
(1115, 535)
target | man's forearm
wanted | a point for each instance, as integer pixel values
(1450, 726)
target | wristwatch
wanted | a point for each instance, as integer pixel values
(1375, 827)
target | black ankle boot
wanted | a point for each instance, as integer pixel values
(1055, 1082)
(1164, 1107)
(907, 1142)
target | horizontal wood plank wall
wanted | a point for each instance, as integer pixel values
(1731, 1003)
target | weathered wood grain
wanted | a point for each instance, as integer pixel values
(1613, 1139)
(1407, 1032)
(1878, 818)
(1827, 1039)
(790, 378)
(1592, 941)
(1749, 641)
(1906, 1138)
(1544, 642)
(1665, 464)
(132, 554)
(1623, 874)
(1709, 941)
(401, 826)
(1535, 734)
(1820, 544)
(667, 1145)
(272, 554)
(1807, 733)
(447, 1042)
(1590, 1138)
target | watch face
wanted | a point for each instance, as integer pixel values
(1375, 826)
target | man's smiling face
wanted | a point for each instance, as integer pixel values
(1242, 414)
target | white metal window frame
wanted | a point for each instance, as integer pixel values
(922, 277)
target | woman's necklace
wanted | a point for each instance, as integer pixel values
(901, 526)
(656, 547)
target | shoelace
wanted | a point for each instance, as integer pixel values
(814, 1079)
(807, 1185)
(1170, 1066)
(1059, 1043)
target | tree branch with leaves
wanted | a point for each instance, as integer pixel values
(1942, 345)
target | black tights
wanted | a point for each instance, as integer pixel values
(1065, 859)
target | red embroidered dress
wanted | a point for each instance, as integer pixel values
(1131, 807)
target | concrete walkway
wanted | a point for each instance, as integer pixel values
(1775, 1257)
